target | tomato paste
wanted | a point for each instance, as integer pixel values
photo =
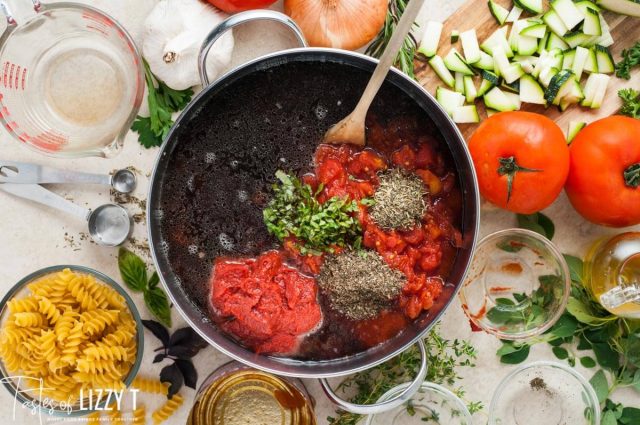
(264, 302)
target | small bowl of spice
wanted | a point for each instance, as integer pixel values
(544, 393)
(518, 285)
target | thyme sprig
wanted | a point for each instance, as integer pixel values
(407, 52)
(444, 358)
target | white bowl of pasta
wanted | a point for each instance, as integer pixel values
(67, 332)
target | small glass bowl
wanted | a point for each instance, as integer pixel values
(518, 285)
(431, 405)
(544, 393)
(20, 289)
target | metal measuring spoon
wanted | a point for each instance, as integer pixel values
(123, 181)
(109, 224)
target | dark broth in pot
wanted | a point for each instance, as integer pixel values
(218, 179)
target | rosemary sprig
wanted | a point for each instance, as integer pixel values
(444, 358)
(407, 53)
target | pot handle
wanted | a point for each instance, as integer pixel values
(372, 409)
(238, 19)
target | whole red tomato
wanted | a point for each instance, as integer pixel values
(604, 180)
(521, 160)
(232, 6)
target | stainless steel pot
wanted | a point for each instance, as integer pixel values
(339, 366)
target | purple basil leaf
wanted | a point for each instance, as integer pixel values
(188, 372)
(187, 337)
(159, 357)
(182, 352)
(173, 376)
(158, 330)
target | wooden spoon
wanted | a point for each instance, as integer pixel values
(352, 129)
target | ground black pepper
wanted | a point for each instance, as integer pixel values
(399, 200)
(360, 284)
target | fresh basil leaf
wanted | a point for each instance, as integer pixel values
(560, 353)
(600, 385)
(576, 267)
(609, 418)
(538, 223)
(158, 304)
(587, 362)
(189, 372)
(630, 416)
(517, 356)
(154, 280)
(606, 356)
(158, 330)
(566, 326)
(173, 376)
(132, 269)
(581, 312)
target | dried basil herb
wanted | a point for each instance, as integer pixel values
(399, 200)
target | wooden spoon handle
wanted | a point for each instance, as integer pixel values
(389, 56)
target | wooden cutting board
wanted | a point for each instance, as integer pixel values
(475, 14)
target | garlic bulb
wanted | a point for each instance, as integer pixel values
(174, 32)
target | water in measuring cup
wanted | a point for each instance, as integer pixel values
(80, 89)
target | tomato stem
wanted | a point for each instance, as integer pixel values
(632, 175)
(509, 167)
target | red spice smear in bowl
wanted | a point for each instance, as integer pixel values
(270, 304)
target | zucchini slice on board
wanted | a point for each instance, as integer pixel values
(557, 83)
(574, 129)
(530, 91)
(623, 7)
(485, 62)
(570, 15)
(455, 62)
(605, 60)
(592, 24)
(514, 14)
(531, 6)
(465, 114)
(470, 46)
(449, 100)
(496, 99)
(470, 91)
(498, 38)
(431, 39)
(441, 70)
(554, 23)
(498, 12)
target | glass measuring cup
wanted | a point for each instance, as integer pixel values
(71, 80)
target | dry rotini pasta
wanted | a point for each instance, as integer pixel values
(73, 332)
(147, 385)
(138, 416)
(167, 409)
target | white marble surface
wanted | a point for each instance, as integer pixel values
(34, 237)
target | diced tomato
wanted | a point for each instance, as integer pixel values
(405, 157)
(413, 307)
(366, 164)
(431, 181)
(413, 236)
(425, 156)
(331, 170)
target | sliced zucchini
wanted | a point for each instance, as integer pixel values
(574, 129)
(532, 6)
(560, 80)
(581, 55)
(605, 60)
(498, 38)
(584, 4)
(577, 38)
(590, 89)
(530, 91)
(570, 15)
(556, 42)
(570, 95)
(542, 46)
(592, 24)
(605, 39)
(513, 87)
(465, 114)
(431, 39)
(591, 65)
(568, 59)
(489, 81)
(470, 46)
(547, 75)
(441, 70)
(600, 91)
(514, 98)
(512, 73)
(527, 45)
(485, 62)
(556, 58)
(454, 62)
(554, 23)
(449, 100)
(535, 31)
(514, 14)
(498, 12)
(496, 99)
(485, 86)
(500, 60)
(528, 63)
(623, 7)
(455, 36)
(459, 84)
(470, 91)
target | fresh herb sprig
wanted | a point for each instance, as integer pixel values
(319, 227)
(134, 274)
(179, 347)
(630, 59)
(407, 52)
(444, 358)
(630, 102)
(162, 101)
